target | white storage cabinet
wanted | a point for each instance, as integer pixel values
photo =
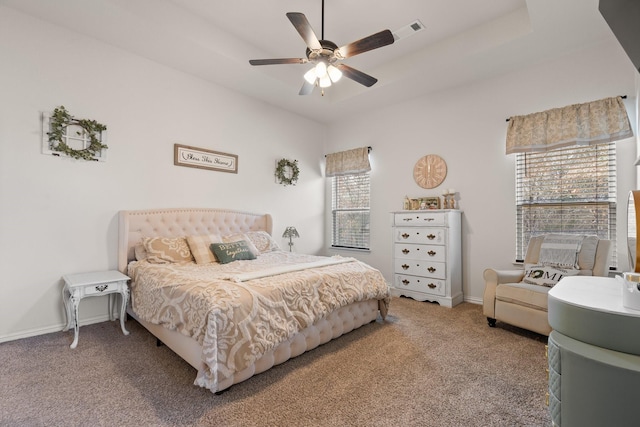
(427, 256)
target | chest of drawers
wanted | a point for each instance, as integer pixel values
(427, 252)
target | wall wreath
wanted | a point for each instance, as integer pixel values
(87, 130)
(287, 172)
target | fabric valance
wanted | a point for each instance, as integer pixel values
(596, 122)
(348, 162)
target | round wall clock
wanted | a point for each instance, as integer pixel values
(430, 171)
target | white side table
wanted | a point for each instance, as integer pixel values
(78, 286)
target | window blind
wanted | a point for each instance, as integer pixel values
(570, 190)
(350, 207)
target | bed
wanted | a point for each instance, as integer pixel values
(233, 320)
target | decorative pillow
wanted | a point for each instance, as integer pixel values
(200, 245)
(164, 250)
(241, 236)
(140, 252)
(233, 251)
(545, 275)
(262, 241)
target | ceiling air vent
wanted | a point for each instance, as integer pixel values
(407, 30)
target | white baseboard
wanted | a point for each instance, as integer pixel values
(51, 329)
(473, 300)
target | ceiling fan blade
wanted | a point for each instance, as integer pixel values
(306, 88)
(355, 75)
(278, 61)
(374, 41)
(304, 28)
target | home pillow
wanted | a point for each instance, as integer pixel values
(200, 245)
(233, 251)
(262, 241)
(545, 275)
(241, 236)
(164, 250)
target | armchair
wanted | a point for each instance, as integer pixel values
(508, 299)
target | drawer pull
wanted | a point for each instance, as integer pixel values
(431, 286)
(405, 266)
(429, 219)
(431, 253)
(405, 251)
(431, 236)
(407, 219)
(101, 288)
(405, 282)
(431, 269)
(405, 236)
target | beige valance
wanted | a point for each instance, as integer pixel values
(594, 122)
(348, 162)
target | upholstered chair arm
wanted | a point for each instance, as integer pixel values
(492, 278)
(503, 276)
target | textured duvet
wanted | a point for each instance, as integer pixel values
(241, 310)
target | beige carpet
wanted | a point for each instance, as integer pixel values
(425, 366)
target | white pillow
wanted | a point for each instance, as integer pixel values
(545, 275)
(262, 241)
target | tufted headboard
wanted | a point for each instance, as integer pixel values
(134, 225)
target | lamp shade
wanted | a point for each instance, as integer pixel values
(290, 232)
(334, 73)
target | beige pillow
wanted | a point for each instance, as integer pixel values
(262, 241)
(200, 247)
(164, 250)
(241, 236)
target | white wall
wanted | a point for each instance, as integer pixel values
(466, 126)
(59, 215)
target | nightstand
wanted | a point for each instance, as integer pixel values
(78, 286)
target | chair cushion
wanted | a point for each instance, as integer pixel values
(533, 296)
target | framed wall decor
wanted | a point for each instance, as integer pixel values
(424, 203)
(430, 203)
(193, 157)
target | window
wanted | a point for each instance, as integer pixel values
(350, 202)
(570, 190)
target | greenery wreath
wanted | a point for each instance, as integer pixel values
(60, 120)
(287, 172)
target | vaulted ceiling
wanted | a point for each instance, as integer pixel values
(462, 41)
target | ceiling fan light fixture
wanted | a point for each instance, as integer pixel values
(334, 73)
(321, 69)
(325, 81)
(310, 76)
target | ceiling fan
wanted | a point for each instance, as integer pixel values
(327, 56)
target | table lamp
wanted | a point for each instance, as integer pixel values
(290, 232)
